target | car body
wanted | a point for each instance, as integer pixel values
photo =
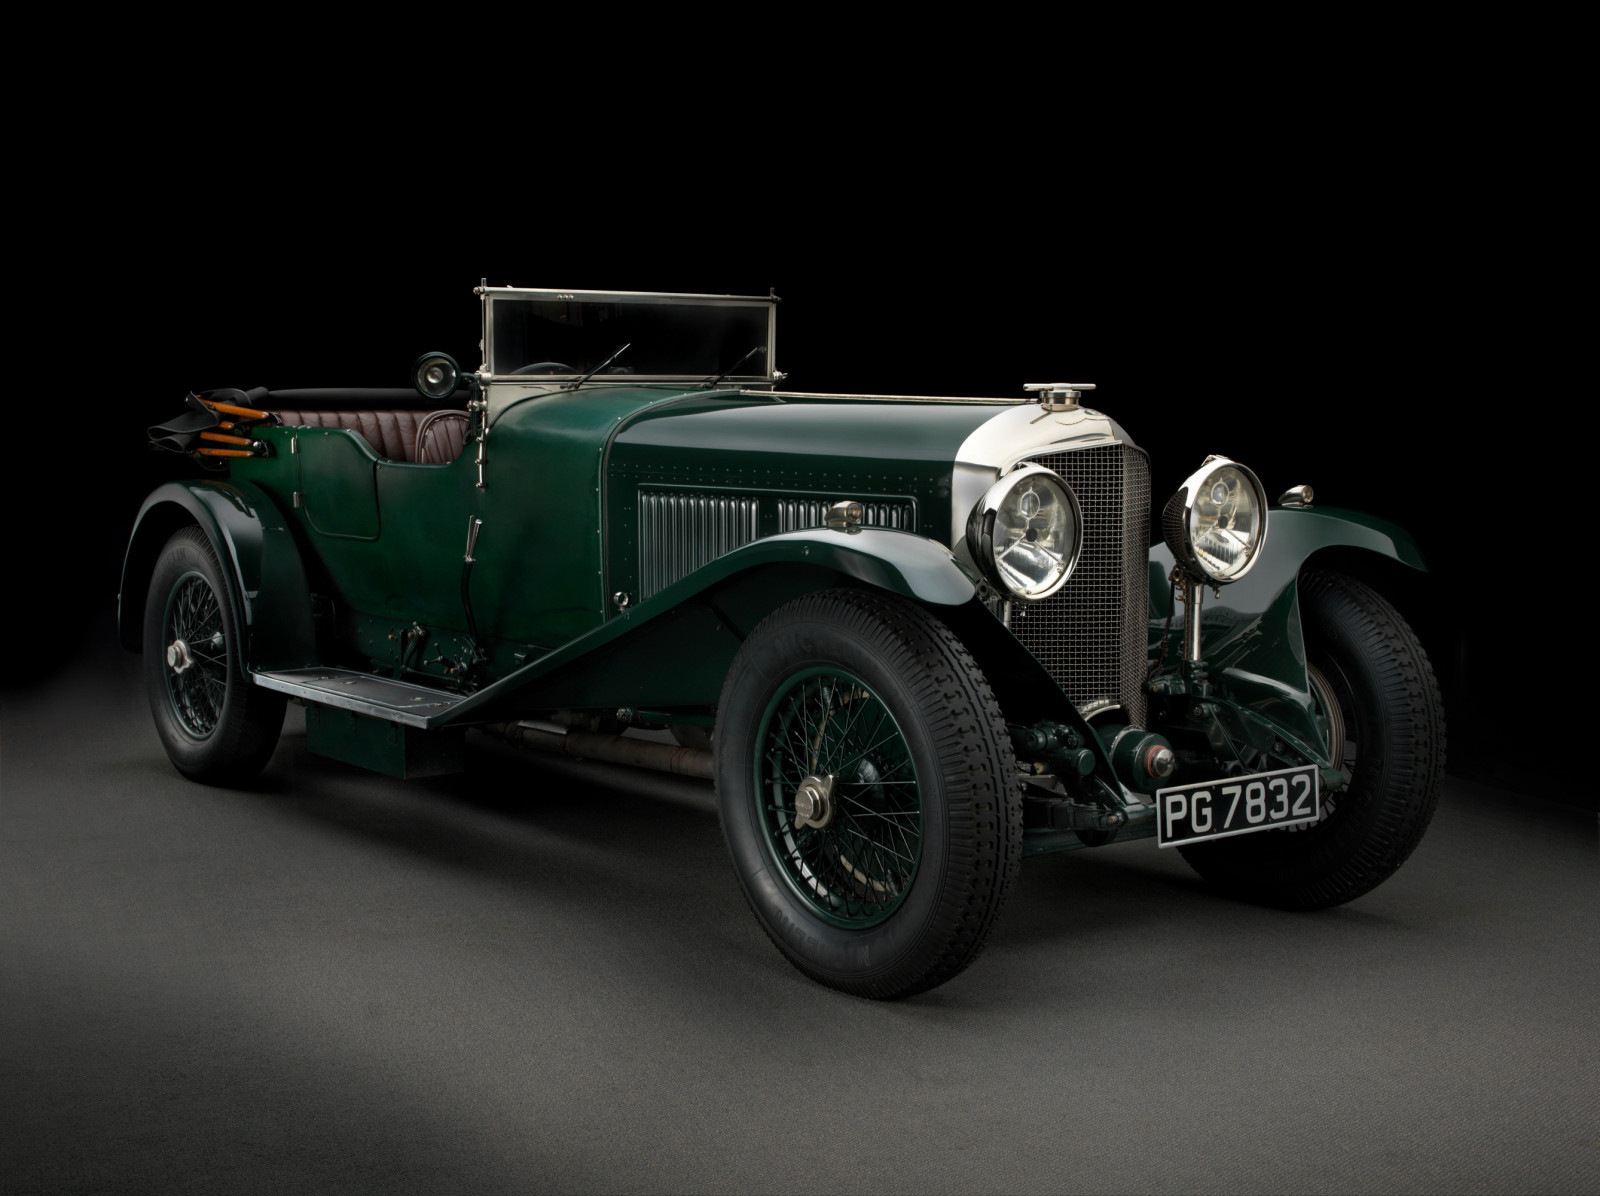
(912, 638)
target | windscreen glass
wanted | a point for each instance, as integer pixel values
(554, 337)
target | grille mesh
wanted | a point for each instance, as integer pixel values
(795, 514)
(680, 530)
(1091, 635)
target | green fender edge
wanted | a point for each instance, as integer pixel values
(673, 649)
(261, 563)
(1251, 637)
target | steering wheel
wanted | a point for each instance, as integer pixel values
(546, 367)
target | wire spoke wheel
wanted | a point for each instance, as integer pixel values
(841, 806)
(868, 792)
(196, 655)
(215, 725)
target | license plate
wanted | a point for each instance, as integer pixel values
(1237, 805)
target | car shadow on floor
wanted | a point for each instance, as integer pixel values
(633, 844)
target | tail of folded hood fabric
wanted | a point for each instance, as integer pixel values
(182, 434)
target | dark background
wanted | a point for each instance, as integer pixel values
(1354, 346)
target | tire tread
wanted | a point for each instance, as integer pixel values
(1401, 772)
(974, 751)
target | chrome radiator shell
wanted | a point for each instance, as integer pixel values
(1091, 634)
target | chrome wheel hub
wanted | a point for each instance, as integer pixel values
(178, 658)
(813, 802)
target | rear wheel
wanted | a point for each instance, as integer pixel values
(868, 792)
(1375, 687)
(216, 726)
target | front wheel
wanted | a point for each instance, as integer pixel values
(216, 725)
(868, 792)
(1375, 687)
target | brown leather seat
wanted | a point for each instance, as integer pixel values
(392, 434)
(441, 437)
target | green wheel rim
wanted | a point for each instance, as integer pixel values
(827, 725)
(196, 655)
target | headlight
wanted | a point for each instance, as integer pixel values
(1025, 533)
(1217, 521)
(435, 375)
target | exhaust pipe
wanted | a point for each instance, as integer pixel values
(612, 749)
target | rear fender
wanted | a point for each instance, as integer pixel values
(260, 563)
(1251, 637)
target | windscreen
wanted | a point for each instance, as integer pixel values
(665, 337)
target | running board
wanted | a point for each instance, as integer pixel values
(376, 697)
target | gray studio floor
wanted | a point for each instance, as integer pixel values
(542, 977)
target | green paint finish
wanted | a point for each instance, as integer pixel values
(627, 488)
(752, 581)
(774, 430)
(435, 656)
(539, 587)
(338, 483)
(385, 540)
(680, 658)
(847, 448)
(409, 569)
(1251, 637)
(260, 557)
(389, 748)
(542, 578)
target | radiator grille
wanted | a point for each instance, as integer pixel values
(1091, 634)
(795, 514)
(679, 531)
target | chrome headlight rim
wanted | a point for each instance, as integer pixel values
(1178, 519)
(980, 530)
(436, 376)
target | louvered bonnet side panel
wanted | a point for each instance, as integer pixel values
(797, 514)
(679, 531)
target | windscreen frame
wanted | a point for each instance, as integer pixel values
(766, 376)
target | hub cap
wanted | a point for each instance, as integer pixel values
(178, 658)
(839, 804)
(197, 662)
(813, 802)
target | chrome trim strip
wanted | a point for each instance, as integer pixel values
(812, 394)
(581, 295)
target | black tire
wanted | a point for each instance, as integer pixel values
(216, 726)
(1370, 672)
(939, 873)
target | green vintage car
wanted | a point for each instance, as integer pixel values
(911, 639)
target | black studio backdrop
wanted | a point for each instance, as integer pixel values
(1322, 360)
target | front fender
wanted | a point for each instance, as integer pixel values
(673, 649)
(260, 563)
(901, 562)
(1251, 637)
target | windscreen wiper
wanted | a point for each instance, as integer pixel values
(596, 370)
(715, 378)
